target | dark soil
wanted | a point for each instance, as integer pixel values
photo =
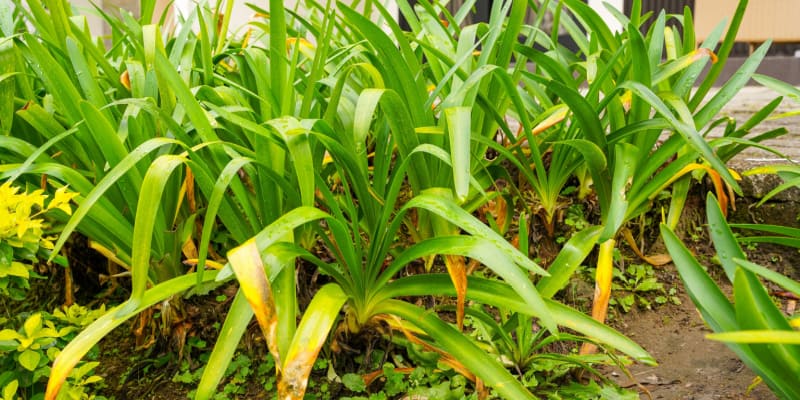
(690, 366)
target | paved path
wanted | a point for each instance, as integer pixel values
(748, 101)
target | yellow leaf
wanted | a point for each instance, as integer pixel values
(188, 249)
(655, 260)
(555, 118)
(602, 287)
(29, 230)
(108, 253)
(47, 242)
(457, 269)
(36, 197)
(22, 227)
(309, 338)
(15, 269)
(304, 46)
(209, 263)
(7, 191)
(61, 200)
(626, 98)
(249, 269)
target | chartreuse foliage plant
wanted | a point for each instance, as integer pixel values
(95, 124)
(26, 354)
(24, 234)
(750, 323)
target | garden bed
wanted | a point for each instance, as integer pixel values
(326, 206)
(690, 366)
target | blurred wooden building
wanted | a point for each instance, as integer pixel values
(763, 20)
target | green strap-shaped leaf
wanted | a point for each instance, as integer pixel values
(401, 123)
(724, 241)
(277, 53)
(568, 260)
(7, 85)
(732, 87)
(94, 196)
(588, 121)
(465, 221)
(96, 54)
(758, 336)
(594, 23)
(296, 137)
(55, 78)
(500, 294)
(617, 207)
(476, 248)
(215, 200)
(112, 147)
(723, 53)
(397, 68)
(756, 310)
(155, 181)
(465, 350)
(592, 154)
(680, 193)
(460, 218)
(779, 86)
(683, 86)
(684, 128)
(86, 76)
(717, 311)
(458, 129)
(184, 96)
(60, 11)
(239, 315)
(7, 21)
(20, 147)
(785, 282)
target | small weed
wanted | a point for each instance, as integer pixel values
(239, 375)
(575, 219)
(421, 382)
(637, 284)
(697, 233)
(671, 296)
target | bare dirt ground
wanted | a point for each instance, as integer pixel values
(690, 366)
(751, 99)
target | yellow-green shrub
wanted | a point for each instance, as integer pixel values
(23, 233)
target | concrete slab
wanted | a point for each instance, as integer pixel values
(785, 68)
(749, 100)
